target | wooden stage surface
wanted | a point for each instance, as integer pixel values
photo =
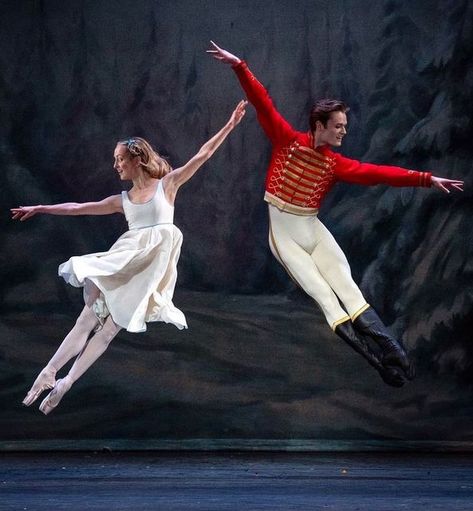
(221, 481)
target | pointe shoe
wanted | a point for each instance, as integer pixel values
(54, 397)
(45, 381)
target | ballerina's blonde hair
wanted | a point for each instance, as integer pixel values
(154, 164)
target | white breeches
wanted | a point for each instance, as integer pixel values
(312, 257)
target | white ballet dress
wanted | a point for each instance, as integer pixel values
(137, 276)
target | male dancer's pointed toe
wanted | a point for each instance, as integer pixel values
(399, 359)
(54, 397)
(393, 354)
(45, 381)
(391, 375)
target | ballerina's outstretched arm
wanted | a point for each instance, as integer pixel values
(107, 206)
(175, 179)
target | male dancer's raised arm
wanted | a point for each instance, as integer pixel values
(279, 131)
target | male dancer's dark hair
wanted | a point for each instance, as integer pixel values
(322, 109)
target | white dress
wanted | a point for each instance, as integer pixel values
(137, 276)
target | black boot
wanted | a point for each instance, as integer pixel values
(393, 354)
(390, 375)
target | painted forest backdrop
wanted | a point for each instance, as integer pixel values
(258, 362)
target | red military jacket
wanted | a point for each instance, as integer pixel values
(299, 176)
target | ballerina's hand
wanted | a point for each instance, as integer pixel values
(238, 113)
(223, 55)
(447, 184)
(22, 213)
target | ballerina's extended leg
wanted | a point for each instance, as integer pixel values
(92, 351)
(72, 345)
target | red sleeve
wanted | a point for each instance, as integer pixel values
(278, 130)
(353, 171)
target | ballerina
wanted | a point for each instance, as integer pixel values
(133, 282)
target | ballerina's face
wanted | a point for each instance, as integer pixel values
(125, 164)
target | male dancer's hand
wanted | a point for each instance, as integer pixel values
(447, 184)
(223, 55)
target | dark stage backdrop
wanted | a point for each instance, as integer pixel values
(258, 363)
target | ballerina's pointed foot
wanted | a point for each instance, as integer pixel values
(54, 397)
(45, 381)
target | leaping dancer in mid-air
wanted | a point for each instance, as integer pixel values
(133, 282)
(302, 170)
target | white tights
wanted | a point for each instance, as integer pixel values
(77, 342)
(94, 349)
(312, 257)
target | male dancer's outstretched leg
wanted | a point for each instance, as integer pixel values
(315, 261)
(365, 322)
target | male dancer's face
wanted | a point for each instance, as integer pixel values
(333, 133)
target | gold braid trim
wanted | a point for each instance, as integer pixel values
(288, 207)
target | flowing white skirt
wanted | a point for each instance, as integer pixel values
(136, 277)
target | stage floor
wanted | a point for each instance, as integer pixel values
(115, 481)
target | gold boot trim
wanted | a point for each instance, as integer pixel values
(360, 311)
(340, 321)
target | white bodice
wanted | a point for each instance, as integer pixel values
(156, 211)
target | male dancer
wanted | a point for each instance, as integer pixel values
(301, 172)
